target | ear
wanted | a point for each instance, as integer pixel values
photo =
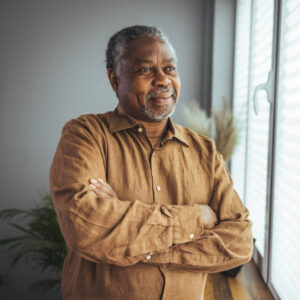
(113, 79)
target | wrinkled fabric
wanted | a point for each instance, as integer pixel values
(149, 243)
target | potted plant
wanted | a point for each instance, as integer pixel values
(39, 242)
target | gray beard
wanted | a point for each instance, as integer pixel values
(158, 116)
(164, 113)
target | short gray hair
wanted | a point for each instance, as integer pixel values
(118, 43)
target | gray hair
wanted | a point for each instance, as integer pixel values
(119, 42)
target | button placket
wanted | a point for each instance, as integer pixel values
(156, 184)
(153, 155)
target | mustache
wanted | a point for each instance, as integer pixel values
(160, 92)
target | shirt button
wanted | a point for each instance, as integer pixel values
(191, 236)
(140, 129)
(148, 257)
(158, 188)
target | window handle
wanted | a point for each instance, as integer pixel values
(268, 86)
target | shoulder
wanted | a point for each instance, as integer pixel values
(87, 129)
(92, 123)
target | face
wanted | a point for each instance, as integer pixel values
(147, 83)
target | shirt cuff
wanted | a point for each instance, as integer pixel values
(188, 223)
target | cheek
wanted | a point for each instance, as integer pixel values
(125, 85)
(140, 90)
(178, 82)
(177, 85)
(134, 89)
(132, 95)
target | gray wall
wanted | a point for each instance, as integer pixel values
(223, 52)
(52, 70)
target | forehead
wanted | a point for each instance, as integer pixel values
(149, 47)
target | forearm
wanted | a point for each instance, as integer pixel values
(228, 244)
(212, 252)
(122, 232)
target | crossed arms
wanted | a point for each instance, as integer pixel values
(105, 191)
(102, 228)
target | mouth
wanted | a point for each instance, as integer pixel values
(161, 101)
(162, 98)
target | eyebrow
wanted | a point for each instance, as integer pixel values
(148, 61)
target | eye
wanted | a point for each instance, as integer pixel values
(145, 70)
(170, 68)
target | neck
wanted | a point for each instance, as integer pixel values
(155, 130)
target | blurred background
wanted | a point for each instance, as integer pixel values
(248, 52)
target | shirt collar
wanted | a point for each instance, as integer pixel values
(176, 132)
(120, 122)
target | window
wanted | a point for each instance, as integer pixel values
(266, 163)
(240, 91)
(250, 162)
(285, 255)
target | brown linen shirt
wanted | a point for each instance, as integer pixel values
(150, 243)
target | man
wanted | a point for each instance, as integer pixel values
(147, 207)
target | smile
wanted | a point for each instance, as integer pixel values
(161, 99)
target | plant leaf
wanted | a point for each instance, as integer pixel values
(10, 214)
(41, 242)
(42, 286)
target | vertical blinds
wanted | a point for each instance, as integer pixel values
(258, 125)
(285, 254)
(240, 91)
(249, 163)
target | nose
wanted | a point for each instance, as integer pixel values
(161, 79)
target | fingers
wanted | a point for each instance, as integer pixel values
(100, 183)
(93, 183)
(209, 216)
(102, 188)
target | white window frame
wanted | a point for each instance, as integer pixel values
(264, 263)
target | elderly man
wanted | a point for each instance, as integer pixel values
(146, 206)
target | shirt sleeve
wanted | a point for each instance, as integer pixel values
(228, 244)
(120, 232)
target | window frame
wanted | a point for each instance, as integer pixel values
(264, 263)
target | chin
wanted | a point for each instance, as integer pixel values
(158, 116)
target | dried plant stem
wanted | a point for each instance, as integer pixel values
(221, 126)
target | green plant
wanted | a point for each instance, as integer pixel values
(40, 241)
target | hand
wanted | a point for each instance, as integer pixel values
(102, 188)
(209, 217)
